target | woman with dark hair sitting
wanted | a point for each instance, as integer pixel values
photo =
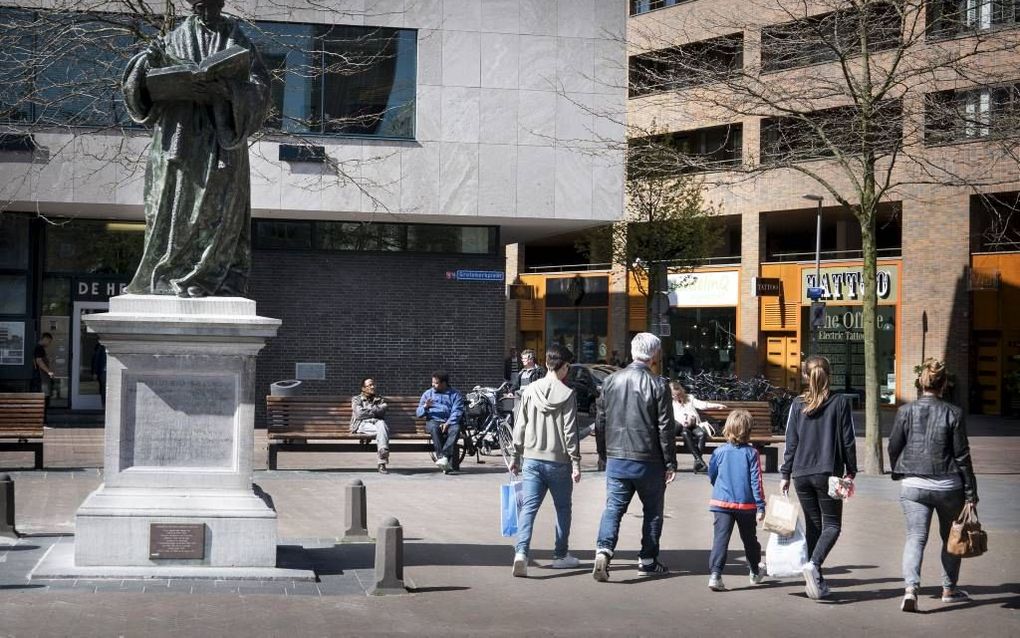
(930, 453)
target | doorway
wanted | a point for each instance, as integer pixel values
(86, 388)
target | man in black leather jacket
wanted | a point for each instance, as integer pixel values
(635, 415)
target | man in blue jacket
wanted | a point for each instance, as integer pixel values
(442, 407)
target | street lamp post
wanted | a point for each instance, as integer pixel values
(818, 238)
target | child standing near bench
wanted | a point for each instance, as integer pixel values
(737, 497)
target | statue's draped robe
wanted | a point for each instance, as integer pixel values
(197, 181)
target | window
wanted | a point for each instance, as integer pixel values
(973, 113)
(831, 36)
(688, 65)
(339, 80)
(707, 149)
(64, 68)
(363, 236)
(94, 247)
(638, 7)
(822, 133)
(948, 18)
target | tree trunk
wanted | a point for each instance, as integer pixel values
(873, 463)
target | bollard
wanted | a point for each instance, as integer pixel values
(389, 559)
(356, 516)
(7, 531)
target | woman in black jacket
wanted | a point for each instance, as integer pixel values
(820, 443)
(929, 451)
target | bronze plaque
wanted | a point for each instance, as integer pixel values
(177, 540)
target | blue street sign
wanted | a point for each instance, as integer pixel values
(479, 275)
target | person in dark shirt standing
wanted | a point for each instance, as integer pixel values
(635, 415)
(530, 371)
(42, 374)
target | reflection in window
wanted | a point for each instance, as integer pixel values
(92, 246)
(13, 290)
(583, 331)
(842, 343)
(366, 236)
(13, 241)
(339, 80)
(704, 339)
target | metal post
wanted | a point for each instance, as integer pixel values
(818, 245)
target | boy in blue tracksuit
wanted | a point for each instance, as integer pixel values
(737, 497)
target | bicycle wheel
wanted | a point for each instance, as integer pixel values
(506, 443)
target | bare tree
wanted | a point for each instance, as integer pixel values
(857, 95)
(668, 226)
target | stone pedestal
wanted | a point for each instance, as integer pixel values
(180, 414)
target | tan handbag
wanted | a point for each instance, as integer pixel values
(966, 538)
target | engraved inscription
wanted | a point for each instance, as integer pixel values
(179, 421)
(177, 540)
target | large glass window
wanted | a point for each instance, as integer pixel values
(362, 236)
(842, 342)
(704, 339)
(339, 79)
(688, 65)
(95, 247)
(989, 111)
(584, 331)
(705, 149)
(644, 6)
(821, 133)
(947, 18)
(832, 36)
(64, 67)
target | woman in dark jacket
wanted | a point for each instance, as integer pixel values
(929, 452)
(820, 443)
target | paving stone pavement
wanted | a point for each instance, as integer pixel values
(459, 565)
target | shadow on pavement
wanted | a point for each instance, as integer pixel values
(1009, 601)
(17, 548)
(25, 586)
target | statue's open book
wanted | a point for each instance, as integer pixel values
(176, 83)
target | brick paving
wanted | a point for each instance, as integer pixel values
(460, 566)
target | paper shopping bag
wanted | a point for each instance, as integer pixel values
(780, 515)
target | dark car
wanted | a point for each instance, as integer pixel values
(585, 379)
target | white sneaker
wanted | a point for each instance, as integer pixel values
(442, 462)
(521, 565)
(715, 583)
(812, 586)
(567, 562)
(755, 579)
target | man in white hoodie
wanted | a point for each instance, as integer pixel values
(545, 436)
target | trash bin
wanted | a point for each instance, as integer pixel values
(285, 388)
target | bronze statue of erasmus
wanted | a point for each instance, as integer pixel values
(204, 90)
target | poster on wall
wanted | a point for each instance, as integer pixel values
(12, 343)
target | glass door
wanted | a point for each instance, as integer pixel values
(87, 384)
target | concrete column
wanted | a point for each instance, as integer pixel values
(934, 281)
(751, 238)
(514, 267)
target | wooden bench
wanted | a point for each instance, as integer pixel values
(323, 424)
(21, 423)
(761, 430)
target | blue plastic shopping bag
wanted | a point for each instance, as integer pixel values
(509, 507)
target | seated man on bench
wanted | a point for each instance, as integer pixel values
(442, 407)
(367, 412)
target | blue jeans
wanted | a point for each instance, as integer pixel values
(540, 476)
(918, 506)
(444, 443)
(619, 492)
(723, 527)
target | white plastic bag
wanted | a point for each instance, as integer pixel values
(785, 555)
(781, 515)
